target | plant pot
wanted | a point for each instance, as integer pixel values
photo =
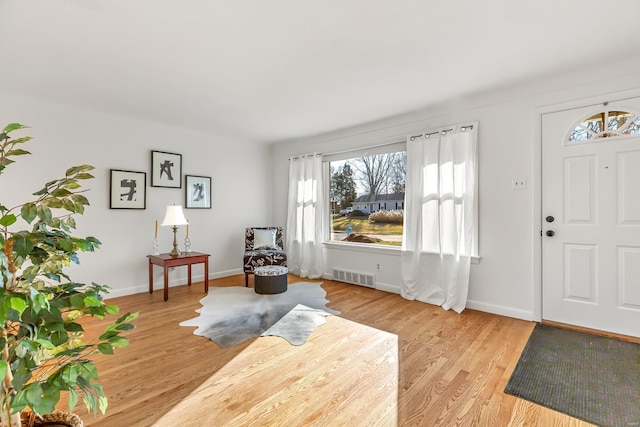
(59, 419)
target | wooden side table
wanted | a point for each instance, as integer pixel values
(167, 261)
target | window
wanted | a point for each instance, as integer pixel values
(605, 124)
(366, 195)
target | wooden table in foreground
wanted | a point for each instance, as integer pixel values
(345, 375)
(167, 261)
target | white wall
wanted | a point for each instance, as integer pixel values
(507, 278)
(65, 136)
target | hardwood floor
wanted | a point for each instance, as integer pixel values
(452, 368)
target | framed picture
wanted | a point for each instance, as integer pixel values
(128, 190)
(166, 169)
(197, 192)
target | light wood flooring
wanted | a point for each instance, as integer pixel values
(451, 368)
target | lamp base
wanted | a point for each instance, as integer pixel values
(175, 252)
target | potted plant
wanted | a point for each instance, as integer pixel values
(43, 347)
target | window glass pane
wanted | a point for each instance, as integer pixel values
(634, 127)
(579, 134)
(594, 123)
(606, 124)
(367, 198)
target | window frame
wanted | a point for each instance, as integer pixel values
(376, 248)
(389, 147)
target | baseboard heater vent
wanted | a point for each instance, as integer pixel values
(361, 279)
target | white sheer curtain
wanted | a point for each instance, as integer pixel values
(439, 216)
(305, 216)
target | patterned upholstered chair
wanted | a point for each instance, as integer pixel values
(262, 246)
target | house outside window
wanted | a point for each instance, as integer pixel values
(366, 189)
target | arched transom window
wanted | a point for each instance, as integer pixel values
(606, 124)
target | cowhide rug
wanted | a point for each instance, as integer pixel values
(230, 315)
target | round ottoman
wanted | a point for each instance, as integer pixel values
(270, 279)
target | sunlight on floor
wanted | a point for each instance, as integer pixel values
(346, 374)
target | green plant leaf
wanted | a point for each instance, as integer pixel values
(73, 327)
(21, 140)
(3, 370)
(46, 344)
(60, 192)
(28, 212)
(52, 203)
(20, 351)
(105, 348)
(79, 198)
(29, 345)
(77, 301)
(8, 220)
(70, 374)
(108, 334)
(72, 184)
(18, 304)
(88, 370)
(112, 309)
(44, 213)
(19, 401)
(22, 245)
(21, 374)
(40, 302)
(73, 399)
(13, 126)
(17, 152)
(92, 302)
(5, 162)
(91, 402)
(42, 401)
(59, 338)
(78, 169)
(128, 317)
(103, 403)
(56, 325)
(119, 342)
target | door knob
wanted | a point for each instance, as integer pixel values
(550, 233)
(549, 218)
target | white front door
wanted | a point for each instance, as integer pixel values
(591, 224)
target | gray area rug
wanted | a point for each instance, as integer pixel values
(231, 315)
(593, 378)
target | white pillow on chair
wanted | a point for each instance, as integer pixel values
(264, 239)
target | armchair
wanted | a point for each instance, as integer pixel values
(262, 246)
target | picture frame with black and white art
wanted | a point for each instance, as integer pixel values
(197, 192)
(166, 169)
(128, 189)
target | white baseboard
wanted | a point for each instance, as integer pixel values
(394, 289)
(500, 310)
(225, 273)
(474, 305)
(178, 281)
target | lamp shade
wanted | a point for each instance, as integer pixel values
(174, 216)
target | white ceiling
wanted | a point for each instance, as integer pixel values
(277, 69)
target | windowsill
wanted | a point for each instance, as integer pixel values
(374, 249)
(364, 247)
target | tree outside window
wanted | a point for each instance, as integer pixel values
(367, 198)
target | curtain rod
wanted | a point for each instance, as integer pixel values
(369, 147)
(444, 132)
(308, 156)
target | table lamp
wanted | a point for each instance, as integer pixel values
(174, 217)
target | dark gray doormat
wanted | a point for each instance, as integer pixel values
(593, 378)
